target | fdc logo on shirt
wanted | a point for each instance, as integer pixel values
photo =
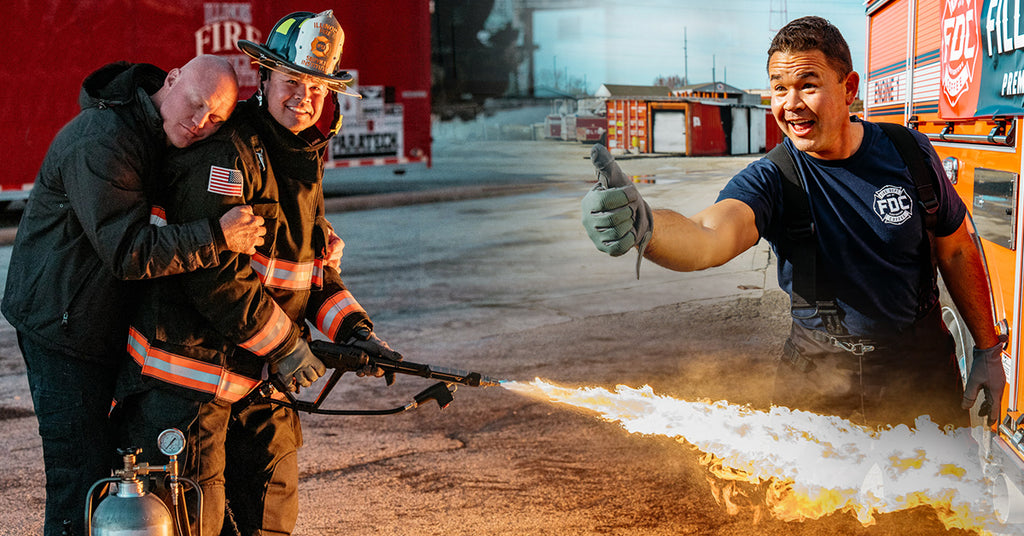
(893, 205)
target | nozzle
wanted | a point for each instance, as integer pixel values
(487, 381)
(472, 379)
(475, 379)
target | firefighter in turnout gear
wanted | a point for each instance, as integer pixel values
(203, 341)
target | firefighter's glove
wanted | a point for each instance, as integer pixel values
(298, 367)
(615, 216)
(986, 375)
(375, 347)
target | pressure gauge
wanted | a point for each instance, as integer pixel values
(171, 442)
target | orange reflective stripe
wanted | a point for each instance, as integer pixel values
(186, 371)
(157, 216)
(318, 273)
(233, 387)
(271, 334)
(333, 312)
(279, 273)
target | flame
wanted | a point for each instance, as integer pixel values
(797, 465)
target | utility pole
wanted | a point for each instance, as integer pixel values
(686, 65)
(554, 69)
(777, 15)
(712, 68)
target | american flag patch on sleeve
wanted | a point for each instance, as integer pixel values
(225, 181)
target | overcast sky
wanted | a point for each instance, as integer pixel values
(634, 42)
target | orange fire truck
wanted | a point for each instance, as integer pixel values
(52, 46)
(954, 69)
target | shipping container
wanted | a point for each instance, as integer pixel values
(591, 128)
(690, 127)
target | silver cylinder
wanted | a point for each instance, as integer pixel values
(132, 512)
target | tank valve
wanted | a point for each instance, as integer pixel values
(129, 509)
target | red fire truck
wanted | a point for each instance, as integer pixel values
(51, 47)
(954, 69)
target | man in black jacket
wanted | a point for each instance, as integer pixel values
(86, 229)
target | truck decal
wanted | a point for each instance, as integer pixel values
(954, 70)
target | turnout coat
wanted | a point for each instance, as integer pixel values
(210, 333)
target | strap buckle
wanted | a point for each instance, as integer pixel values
(831, 318)
(800, 230)
(929, 202)
(855, 348)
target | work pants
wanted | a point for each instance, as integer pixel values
(243, 460)
(72, 400)
(142, 416)
(262, 473)
(895, 383)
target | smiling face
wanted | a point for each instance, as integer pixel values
(811, 103)
(295, 101)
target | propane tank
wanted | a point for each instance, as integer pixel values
(130, 510)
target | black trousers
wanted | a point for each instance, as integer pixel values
(72, 400)
(895, 383)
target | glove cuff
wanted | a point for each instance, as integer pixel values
(998, 348)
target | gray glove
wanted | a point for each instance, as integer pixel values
(986, 374)
(298, 366)
(369, 342)
(615, 216)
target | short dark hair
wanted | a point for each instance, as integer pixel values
(814, 33)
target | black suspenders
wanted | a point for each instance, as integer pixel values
(810, 295)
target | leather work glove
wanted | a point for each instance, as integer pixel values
(373, 345)
(986, 375)
(615, 216)
(299, 366)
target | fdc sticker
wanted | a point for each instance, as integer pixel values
(893, 205)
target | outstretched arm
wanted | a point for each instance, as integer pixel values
(617, 219)
(711, 237)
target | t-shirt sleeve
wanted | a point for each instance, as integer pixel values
(758, 186)
(952, 209)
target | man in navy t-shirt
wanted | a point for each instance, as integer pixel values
(866, 209)
(884, 355)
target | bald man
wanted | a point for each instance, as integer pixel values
(86, 232)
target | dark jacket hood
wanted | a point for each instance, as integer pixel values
(116, 83)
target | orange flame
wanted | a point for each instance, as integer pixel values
(799, 465)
